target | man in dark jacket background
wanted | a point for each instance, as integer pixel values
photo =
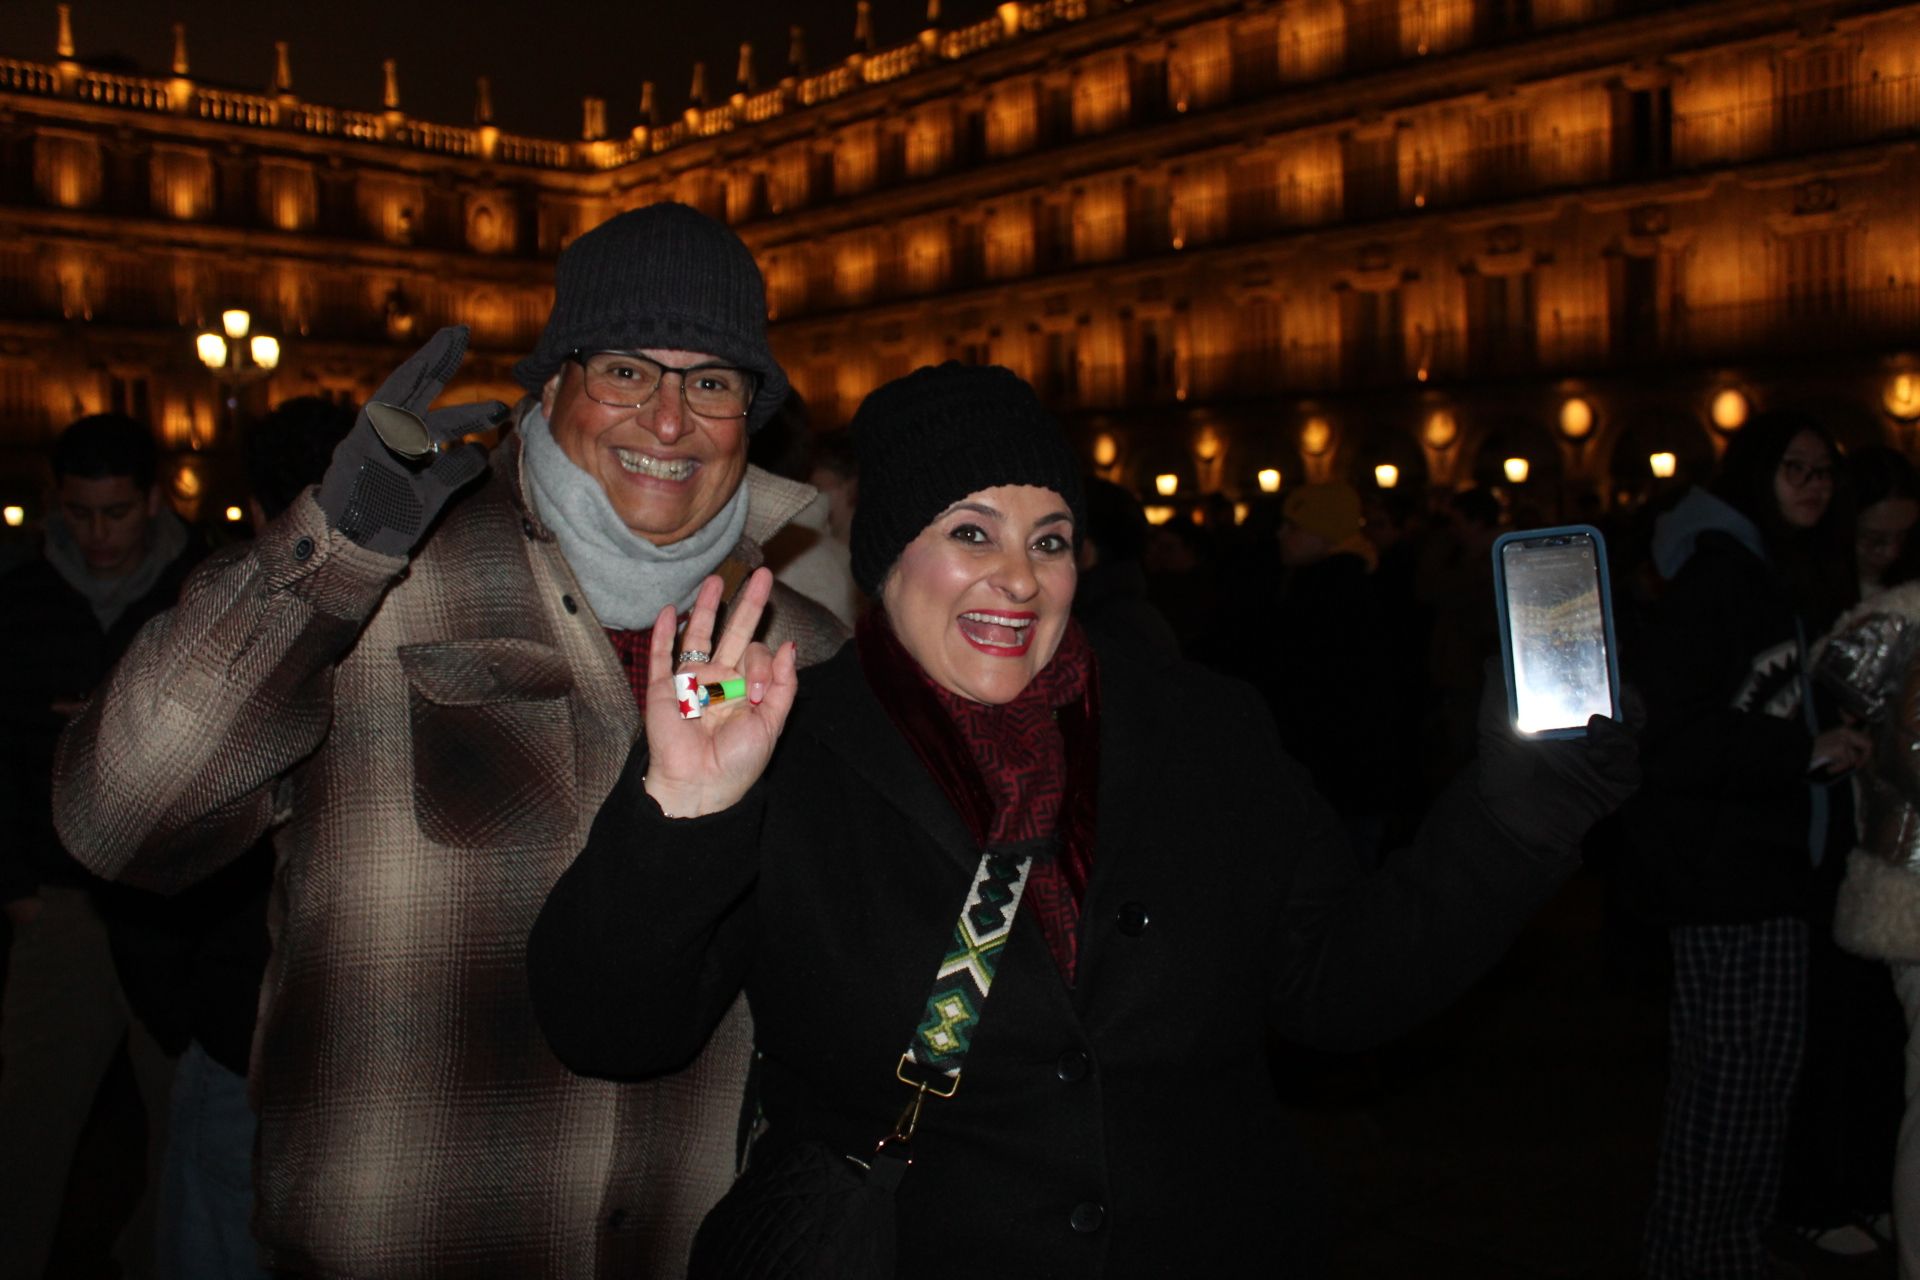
(114, 555)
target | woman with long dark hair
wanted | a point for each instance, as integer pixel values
(1733, 822)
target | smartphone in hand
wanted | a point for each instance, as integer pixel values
(1556, 629)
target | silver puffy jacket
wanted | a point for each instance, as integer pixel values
(1871, 663)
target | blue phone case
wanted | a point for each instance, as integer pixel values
(1506, 629)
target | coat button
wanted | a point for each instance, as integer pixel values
(303, 549)
(1071, 1067)
(1133, 919)
(526, 527)
(566, 602)
(617, 1219)
(1087, 1217)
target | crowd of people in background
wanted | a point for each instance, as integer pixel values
(1364, 619)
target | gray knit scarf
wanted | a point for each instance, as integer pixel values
(624, 577)
(109, 597)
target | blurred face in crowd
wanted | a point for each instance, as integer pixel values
(842, 492)
(1803, 483)
(666, 470)
(110, 518)
(981, 597)
(1880, 535)
(1299, 546)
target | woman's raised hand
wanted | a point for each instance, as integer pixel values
(705, 764)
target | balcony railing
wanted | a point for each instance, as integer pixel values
(1859, 321)
(1416, 181)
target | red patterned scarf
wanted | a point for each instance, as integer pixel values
(633, 648)
(1022, 771)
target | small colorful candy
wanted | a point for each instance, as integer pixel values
(694, 697)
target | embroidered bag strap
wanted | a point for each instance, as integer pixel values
(951, 1015)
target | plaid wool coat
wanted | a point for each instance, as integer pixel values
(432, 740)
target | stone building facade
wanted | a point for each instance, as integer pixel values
(1306, 235)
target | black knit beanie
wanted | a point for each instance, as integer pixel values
(662, 276)
(929, 439)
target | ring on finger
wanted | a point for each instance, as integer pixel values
(694, 655)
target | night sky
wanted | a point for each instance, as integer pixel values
(541, 56)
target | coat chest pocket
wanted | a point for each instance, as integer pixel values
(493, 742)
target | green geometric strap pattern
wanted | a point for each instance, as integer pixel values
(965, 976)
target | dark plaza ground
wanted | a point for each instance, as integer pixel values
(1511, 1139)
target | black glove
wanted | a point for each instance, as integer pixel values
(384, 501)
(1545, 793)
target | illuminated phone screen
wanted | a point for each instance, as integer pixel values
(1558, 633)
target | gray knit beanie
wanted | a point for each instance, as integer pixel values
(662, 276)
(929, 439)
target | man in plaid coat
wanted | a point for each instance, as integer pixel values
(426, 690)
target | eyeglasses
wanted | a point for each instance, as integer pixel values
(623, 380)
(1799, 473)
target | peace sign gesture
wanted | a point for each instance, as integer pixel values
(706, 763)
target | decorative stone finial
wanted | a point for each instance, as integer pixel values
(63, 43)
(699, 93)
(180, 48)
(391, 98)
(482, 101)
(282, 68)
(593, 119)
(933, 13)
(797, 50)
(863, 26)
(743, 74)
(649, 113)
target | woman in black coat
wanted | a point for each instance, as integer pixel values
(1186, 894)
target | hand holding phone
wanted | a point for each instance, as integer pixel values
(1556, 630)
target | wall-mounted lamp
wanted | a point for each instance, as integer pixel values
(1517, 470)
(1441, 430)
(1269, 478)
(1386, 475)
(1729, 410)
(1662, 465)
(1902, 397)
(1576, 418)
(14, 516)
(1316, 436)
(1166, 484)
(1157, 514)
(1105, 450)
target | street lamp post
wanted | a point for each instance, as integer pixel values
(236, 356)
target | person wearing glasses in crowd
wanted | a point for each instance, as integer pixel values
(423, 677)
(1739, 827)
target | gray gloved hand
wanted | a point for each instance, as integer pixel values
(1546, 793)
(384, 499)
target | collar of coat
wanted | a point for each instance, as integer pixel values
(1902, 601)
(772, 503)
(840, 713)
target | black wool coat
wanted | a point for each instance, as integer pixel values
(1718, 834)
(1126, 1126)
